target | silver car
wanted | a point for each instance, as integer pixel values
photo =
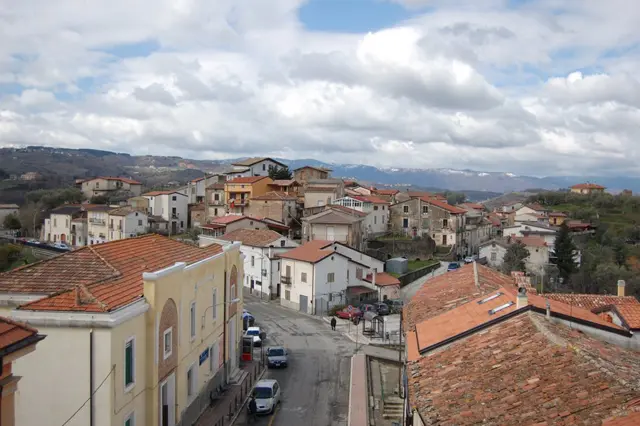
(267, 394)
(277, 356)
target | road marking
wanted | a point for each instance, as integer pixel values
(273, 416)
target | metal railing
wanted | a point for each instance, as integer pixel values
(97, 221)
(285, 280)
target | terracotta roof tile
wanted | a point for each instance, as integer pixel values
(531, 241)
(630, 419)
(121, 179)
(383, 279)
(230, 218)
(443, 205)
(12, 332)
(275, 196)
(591, 301)
(587, 186)
(387, 192)
(524, 370)
(99, 278)
(311, 252)
(252, 237)
(124, 211)
(285, 182)
(216, 186)
(557, 214)
(320, 169)
(320, 189)
(370, 198)
(247, 179)
(630, 313)
(157, 193)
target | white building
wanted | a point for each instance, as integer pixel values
(57, 227)
(523, 229)
(254, 167)
(495, 250)
(197, 188)
(172, 206)
(126, 222)
(376, 208)
(98, 225)
(261, 248)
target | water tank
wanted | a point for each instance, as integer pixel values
(398, 265)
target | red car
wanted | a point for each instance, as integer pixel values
(346, 314)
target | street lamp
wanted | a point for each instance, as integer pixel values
(224, 328)
(230, 302)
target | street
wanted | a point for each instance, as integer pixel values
(315, 385)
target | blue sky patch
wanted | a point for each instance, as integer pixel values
(133, 50)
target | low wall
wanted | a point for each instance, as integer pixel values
(358, 392)
(410, 277)
(421, 248)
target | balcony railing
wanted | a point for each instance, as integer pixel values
(97, 221)
(239, 202)
(174, 216)
(331, 237)
(285, 280)
(216, 203)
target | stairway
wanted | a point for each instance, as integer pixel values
(392, 408)
(237, 376)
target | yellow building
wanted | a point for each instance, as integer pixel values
(557, 218)
(587, 188)
(240, 190)
(149, 323)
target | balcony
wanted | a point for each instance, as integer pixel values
(174, 216)
(97, 221)
(285, 280)
(216, 203)
(239, 202)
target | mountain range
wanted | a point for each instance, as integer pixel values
(67, 164)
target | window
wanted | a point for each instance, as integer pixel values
(405, 222)
(174, 198)
(425, 209)
(405, 209)
(264, 167)
(331, 276)
(140, 222)
(494, 256)
(168, 342)
(303, 277)
(287, 295)
(253, 261)
(193, 190)
(129, 364)
(359, 273)
(174, 211)
(214, 357)
(191, 381)
(445, 222)
(130, 420)
(55, 222)
(216, 197)
(214, 304)
(282, 243)
(233, 291)
(192, 321)
(375, 207)
(375, 220)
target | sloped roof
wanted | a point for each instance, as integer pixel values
(311, 252)
(167, 192)
(15, 336)
(121, 179)
(443, 205)
(285, 182)
(525, 370)
(587, 186)
(99, 278)
(252, 237)
(124, 211)
(370, 199)
(255, 160)
(275, 195)
(383, 279)
(9, 206)
(630, 314)
(387, 192)
(247, 179)
(591, 301)
(320, 169)
(230, 218)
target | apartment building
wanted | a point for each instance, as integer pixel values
(106, 185)
(240, 190)
(322, 192)
(275, 205)
(377, 220)
(172, 206)
(152, 325)
(126, 222)
(98, 225)
(215, 201)
(259, 166)
(335, 223)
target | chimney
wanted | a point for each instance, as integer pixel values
(522, 300)
(621, 286)
(548, 310)
(476, 279)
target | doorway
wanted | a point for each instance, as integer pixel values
(304, 300)
(168, 401)
(233, 361)
(330, 233)
(174, 227)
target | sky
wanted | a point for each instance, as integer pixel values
(537, 87)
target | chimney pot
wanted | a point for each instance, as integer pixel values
(621, 285)
(522, 300)
(548, 309)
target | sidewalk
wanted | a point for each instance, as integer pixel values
(354, 333)
(225, 410)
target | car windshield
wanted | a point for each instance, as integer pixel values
(262, 393)
(276, 352)
(253, 332)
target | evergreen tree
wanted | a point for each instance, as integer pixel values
(565, 252)
(282, 173)
(514, 258)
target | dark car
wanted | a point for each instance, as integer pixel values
(277, 356)
(453, 266)
(382, 309)
(395, 305)
(367, 308)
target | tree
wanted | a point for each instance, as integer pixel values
(99, 199)
(565, 252)
(514, 258)
(52, 198)
(9, 253)
(12, 222)
(280, 174)
(454, 198)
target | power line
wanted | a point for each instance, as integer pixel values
(89, 399)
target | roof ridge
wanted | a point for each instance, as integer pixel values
(85, 296)
(117, 272)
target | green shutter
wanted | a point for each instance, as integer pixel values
(128, 363)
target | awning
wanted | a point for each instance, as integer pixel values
(359, 289)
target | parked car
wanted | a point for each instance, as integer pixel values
(62, 246)
(268, 395)
(471, 259)
(257, 335)
(248, 320)
(367, 308)
(395, 305)
(453, 266)
(277, 356)
(346, 314)
(382, 308)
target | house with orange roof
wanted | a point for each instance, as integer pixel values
(335, 223)
(172, 206)
(320, 274)
(240, 190)
(16, 341)
(532, 213)
(219, 226)
(539, 251)
(587, 188)
(507, 338)
(557, 218)
(106, 185)
(386, 194)
(377, 210)
(277, 205)
(322, 192)
(151, 323)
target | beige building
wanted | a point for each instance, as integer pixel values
(153, 324)
(307, 173)
(240, 190)
(219, 226)
(322, 192)
(139, 203)
(335, 223)
(215, 201)
(587, 189)
(279, 206)
(106, 185)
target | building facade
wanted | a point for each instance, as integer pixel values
(240, 190)
(172, 206)
(106, 185)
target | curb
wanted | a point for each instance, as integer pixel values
(237, 414)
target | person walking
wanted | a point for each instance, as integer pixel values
(253, 409)
(333, 323)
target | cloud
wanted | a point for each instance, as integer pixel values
(488, 85)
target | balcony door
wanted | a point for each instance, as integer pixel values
(168, 401)
(330, 233)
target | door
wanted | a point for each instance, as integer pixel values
(330, 233)
(174, 227)
(168, 401)
(444, 240)
(303, 303)
(405, 223)
(233, 359)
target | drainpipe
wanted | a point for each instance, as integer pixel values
(224, 329)
(91, 378)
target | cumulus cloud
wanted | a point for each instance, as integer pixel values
(483, 85)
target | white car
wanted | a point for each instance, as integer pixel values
(256, 334)
(61, 246)
(267, 395)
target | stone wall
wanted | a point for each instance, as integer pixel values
(420, 248)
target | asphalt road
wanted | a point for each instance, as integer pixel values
(315, 385)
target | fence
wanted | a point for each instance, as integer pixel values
(410, 277)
